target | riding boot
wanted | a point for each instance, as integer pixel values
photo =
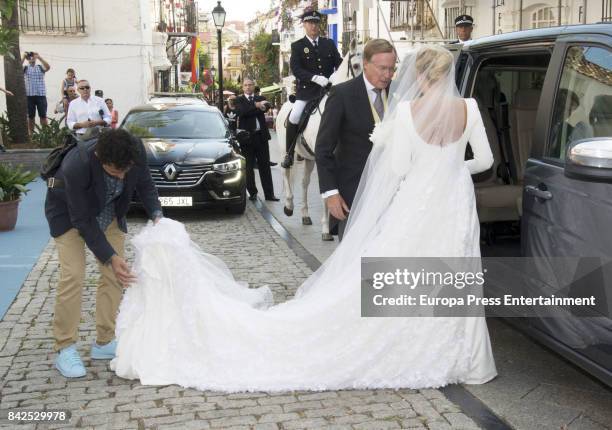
(292, 132)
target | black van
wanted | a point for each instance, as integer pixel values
(546, 100)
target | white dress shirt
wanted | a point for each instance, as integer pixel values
(313, 41)
(80, 110)
(372, 96)
(251, 98)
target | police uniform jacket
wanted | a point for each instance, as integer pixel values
(307, 61)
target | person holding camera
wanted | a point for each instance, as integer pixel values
(36, 90)
(87, 112)
(251, 117)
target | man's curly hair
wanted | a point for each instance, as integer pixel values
(118, 148)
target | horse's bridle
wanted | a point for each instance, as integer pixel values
(350, 64)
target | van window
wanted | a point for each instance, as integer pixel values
(583, 103)
(508, 90)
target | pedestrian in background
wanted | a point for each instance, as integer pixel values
(251, 117)
(87, 111)
(230, 113)
(114, 113)
(69, 81)
(36, 90)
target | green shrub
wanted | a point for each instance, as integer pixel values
(13, 181)
(50, 135)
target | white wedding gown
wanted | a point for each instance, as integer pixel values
(188, 322)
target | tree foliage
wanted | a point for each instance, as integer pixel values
(13, 71)
(263, 63)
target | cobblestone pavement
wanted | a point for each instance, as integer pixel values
(256, 254)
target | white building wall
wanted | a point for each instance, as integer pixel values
(116, 53)
(487, 20)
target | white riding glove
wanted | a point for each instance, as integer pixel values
(320, 80)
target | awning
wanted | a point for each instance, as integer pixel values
(271, 89)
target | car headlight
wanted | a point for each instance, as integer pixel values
(230, 166)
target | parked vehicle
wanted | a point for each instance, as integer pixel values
(176, 98)
(193, 157)
(546, 100)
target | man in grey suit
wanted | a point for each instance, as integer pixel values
(343, 142)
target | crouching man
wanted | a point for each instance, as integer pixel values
(86, 205)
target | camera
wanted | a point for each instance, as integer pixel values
(29, 54)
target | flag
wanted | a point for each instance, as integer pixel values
(195, 59)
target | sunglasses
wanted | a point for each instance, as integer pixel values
(84, 88)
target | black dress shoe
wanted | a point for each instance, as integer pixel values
(272, 199)
(272, 164)
(253, 197)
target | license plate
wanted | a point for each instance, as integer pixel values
(176, 201)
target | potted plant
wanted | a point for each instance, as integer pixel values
(13, 181)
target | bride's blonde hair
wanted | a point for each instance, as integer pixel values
(433, 63)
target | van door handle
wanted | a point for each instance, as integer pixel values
(538, 192)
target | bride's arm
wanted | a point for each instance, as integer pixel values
(483, 157)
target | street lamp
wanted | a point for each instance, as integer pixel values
(212, 73)
(218, 14)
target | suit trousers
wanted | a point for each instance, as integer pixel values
(257, 150)
(67, 315)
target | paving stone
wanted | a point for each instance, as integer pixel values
(460, 420)
(304, 424)
(234, 421)
(302, 406)
(377, 425)
(278, 418)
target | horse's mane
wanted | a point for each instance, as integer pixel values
(341, 74)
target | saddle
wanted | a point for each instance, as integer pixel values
(311, 106)
(309, 109)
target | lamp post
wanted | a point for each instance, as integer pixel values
(212, 90)
(218, 14)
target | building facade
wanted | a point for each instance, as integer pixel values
(120, 46)
(433, 20)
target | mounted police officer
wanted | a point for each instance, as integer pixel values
(313, 60)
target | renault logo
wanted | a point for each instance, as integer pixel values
(170, 172)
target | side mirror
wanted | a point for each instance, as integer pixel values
(590, 159)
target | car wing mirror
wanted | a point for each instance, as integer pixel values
(590, 159)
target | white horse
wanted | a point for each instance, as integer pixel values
(351, 66)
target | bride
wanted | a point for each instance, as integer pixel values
(188, 322)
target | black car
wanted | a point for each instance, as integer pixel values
(193, 157)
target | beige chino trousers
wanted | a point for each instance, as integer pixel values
(71, 252)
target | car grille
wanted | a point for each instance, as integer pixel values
(187, 175)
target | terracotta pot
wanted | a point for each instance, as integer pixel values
(8, 215)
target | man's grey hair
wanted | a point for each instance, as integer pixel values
(249, 79)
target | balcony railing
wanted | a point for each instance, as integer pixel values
(52, 16)
(178, 17)
(414, 16)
